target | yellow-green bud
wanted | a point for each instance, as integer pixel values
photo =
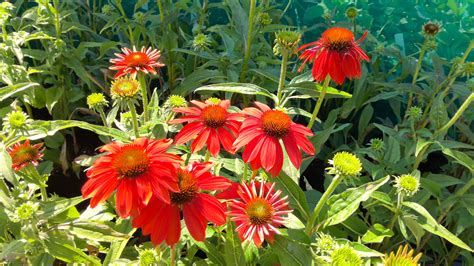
(96, 100)
(287, 41)
(352, 12)
(16, 120)
(407, 184)
(213, 100)
(26, 211)
(264, 18)
(345, 256)
(201, 42)
(345, 164)
(176, 101)
(376, 144)
(415, 113)
(147, 257)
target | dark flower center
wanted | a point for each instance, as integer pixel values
(187, 186)
(131, 162)
(338, 39)
(275, 123)
(259, 211)
(25, 155)
(214, 116)
(136, 59)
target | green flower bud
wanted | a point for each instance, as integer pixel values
(325, 244)
(345, 164)
(176, 101)
(352, 12)
(376, 144)
(201, 42)
(345, 256)
(415, 113)
(213, 100)
(407, 184)
(287, 41)
(96, 100)
(26, 211)
(147, 257)
(16, 120)
(264, 19)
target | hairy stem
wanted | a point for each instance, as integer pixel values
(417, 70)
(281, 82)
(133, 111)
(319, 102)
(144, 92)
(248, 45)
(334, 183)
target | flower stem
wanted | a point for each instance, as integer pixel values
(103, 117)
(319, 102)
(173, 255)
(417, 70)
(248, 45)
(281, 83)
(451, 122)
(143, 88)
(312, 219)
(133, 111)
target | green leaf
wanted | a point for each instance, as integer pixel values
(429, 224)
(67, 253)
(8, 91)
(438, 113)
(93, 230)
(56, 207)
(291, 252)
(6, 170)
(296, 196)
(242, 88)
(117, 247)
(213, 254)
(11, 250)
(421, 144)
(42, 129)
(343, 205)
(460, 157)
(414, 228)
(376, 234)
(310, 89)
(233, 252)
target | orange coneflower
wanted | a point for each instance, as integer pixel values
(136, 170)
(258, 212)
(162, 220)
(261, 133)
(24, 153)
(208, 123)
(132, 61)
(335, 54)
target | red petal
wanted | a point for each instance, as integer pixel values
(212, 209)
(195, 221)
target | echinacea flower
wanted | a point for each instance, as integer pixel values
(261, 133)
(345, 256)
(133, 61)
(208, 123)
(405, 256)
(258, 212)
(162, 220)
(407, 184)
(335, 54)
(136, 170)
(23, 154)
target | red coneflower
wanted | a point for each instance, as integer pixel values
(258, 212)
(208, 123)
(162, 220)
(132, 61)
(137, 170)
(336, 53)
(24, 154)
(261, 133)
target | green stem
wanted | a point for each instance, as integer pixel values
(207, 156)
(451, 122)
(4, 32)
(143, 88)
(334, 183)
(103, 117)
(162, 13)
(417, 70)
(133, 111)
(57, 21)
(281, 82)
(319, 102)
(450, 80)
(248, 45)
(173, 255)
(125, 18)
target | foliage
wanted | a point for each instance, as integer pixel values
(394, 149)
